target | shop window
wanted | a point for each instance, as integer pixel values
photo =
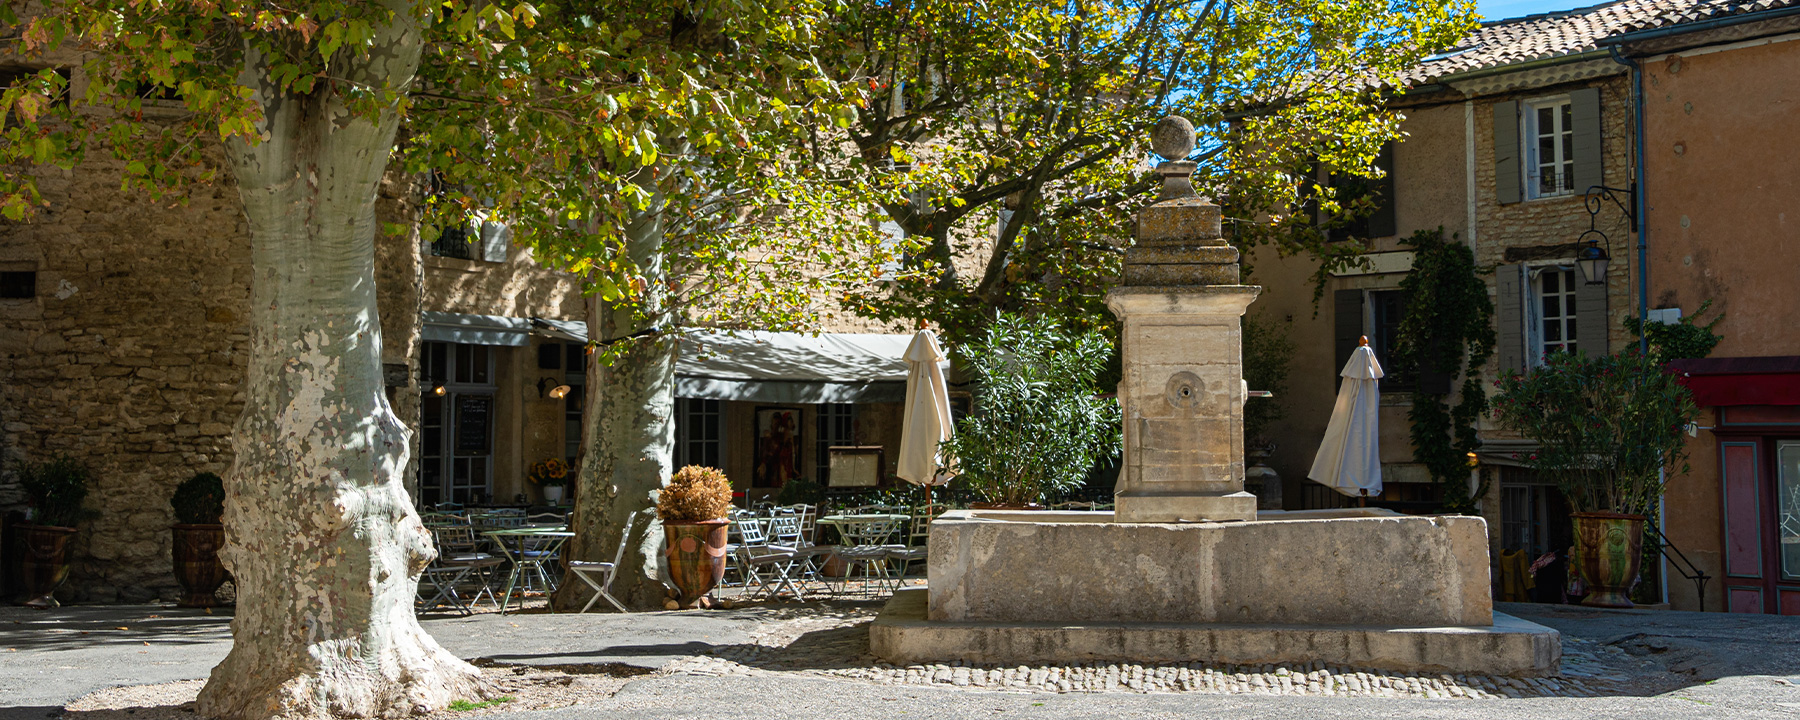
(698, 437)
(836, 427)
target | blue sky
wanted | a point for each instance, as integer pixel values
(1502, 9)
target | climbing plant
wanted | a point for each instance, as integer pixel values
(1446, 331)
(1679, 339)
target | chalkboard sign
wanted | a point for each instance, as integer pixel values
(474, 413)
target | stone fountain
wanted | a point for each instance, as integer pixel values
(1186, 569)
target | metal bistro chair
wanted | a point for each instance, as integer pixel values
(918, 535)
(585, 570)
(866, 546)
(457, 563)
(769, 565)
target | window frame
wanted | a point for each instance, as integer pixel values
(1562, 142)
(1533, 315)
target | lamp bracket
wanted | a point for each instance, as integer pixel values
(1596, 196)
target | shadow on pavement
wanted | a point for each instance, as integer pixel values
(100, 625)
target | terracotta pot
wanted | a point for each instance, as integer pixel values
(46, 562)
(197, 565)
(696, 556)
(1608, 548)
(1004, 506)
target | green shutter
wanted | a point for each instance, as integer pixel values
(1347, 322)
(1590, 315)
(1509, 318)
(1506, 151)
(1381, 222)
(1584, 117)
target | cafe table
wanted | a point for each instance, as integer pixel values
(528, 549)
(864, 536)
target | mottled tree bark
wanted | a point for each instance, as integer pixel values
(321, 536)
(629, 436)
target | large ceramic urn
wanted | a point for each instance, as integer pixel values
(1608, 550)
(46, 563)
(197, 565)
(696, 553)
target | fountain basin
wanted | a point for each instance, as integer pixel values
(1363, 566)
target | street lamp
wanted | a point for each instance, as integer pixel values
(1593, 257)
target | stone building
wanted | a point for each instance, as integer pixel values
(123, 341)
(1506, 135)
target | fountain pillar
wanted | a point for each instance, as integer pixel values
(1182, 391)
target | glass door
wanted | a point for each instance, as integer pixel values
(456, 425)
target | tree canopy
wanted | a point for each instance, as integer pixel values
(1009, 137)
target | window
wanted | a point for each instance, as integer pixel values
(698, 440)
(837, 426)
(1379, 220)
(1552, 325)
(18, 285)
(575, 376)
(1385, 310)
(1549, 135)
(456, 425)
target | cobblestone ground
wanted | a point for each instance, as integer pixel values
(829, 641)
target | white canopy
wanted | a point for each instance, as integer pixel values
(927, 422)
(1349, 459)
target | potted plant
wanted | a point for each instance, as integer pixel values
(1606, 427)
(199, 504)
(1039, 424)
(55, 490)
(551, 476)
(692, 508)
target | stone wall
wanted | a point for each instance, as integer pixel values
(129, 358)
(132, 356)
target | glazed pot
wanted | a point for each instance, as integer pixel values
(696, 553)
(553, 494)
(46, 563)
(197, 565)
(1608, 549)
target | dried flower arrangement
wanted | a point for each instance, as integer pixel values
(694, 494)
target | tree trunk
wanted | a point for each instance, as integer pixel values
(320, 534)
(629, 436)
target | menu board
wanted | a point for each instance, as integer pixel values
(474, 416)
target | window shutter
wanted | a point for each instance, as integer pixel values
(1584, 117)
(494, 238)
(1506, 151)
(1381, 223)
(1509, 317)
(1590, 316)
(1347, 319)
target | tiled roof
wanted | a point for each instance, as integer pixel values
(1548, 35)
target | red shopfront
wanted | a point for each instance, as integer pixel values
(1756, 412)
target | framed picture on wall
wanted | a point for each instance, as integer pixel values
(777, 446)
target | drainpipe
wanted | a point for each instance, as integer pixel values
(1643, 233)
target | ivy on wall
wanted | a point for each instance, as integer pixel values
(1446, 332)
(1679, 339)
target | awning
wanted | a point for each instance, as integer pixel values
(778, 367)
(475, 329)
(1718, 382)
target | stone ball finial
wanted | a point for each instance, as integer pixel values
(1173, 138)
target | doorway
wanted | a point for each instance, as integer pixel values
(456, 424)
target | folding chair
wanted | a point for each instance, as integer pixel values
(458, 548)
(918, 535)
(443, 580)
(757, 554)
(866, 546)
(587, 569)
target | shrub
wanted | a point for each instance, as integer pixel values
(1039, 424)
(199, 500)
(56, 490)
(800, 491)
(1606, 426)
(694, 494)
